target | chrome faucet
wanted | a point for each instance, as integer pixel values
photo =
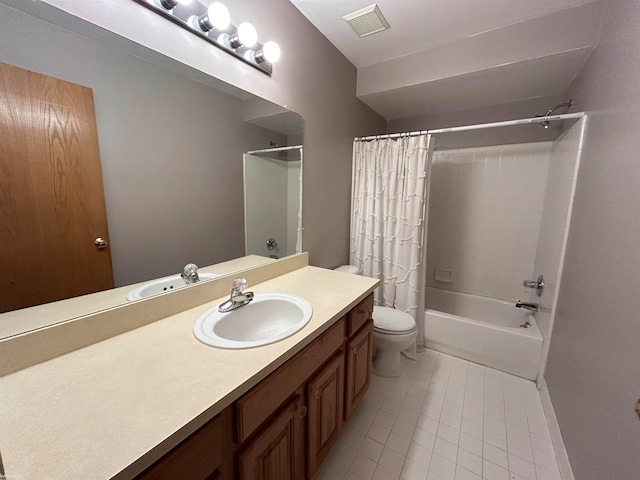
(533, 307)
(238, 298)
(190, 274)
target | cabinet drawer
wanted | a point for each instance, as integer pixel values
(360, 314)
(262, 400)
(196, 458)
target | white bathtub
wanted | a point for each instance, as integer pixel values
(483, 330)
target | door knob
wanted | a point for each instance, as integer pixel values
(100, 243)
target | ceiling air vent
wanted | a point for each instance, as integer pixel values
(367, 21)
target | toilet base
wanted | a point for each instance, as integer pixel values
(388, 351)
(387, 363)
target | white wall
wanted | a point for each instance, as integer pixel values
(484, 217)
(555, 221)
(265, 203)
(294, 170)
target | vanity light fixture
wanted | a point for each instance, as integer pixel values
(213, 24)
(171, 4)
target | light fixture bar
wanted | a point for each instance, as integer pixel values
(183, 13)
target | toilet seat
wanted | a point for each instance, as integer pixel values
(390, 321)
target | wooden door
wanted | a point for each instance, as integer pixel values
(278, 451)
(325, 398)
(51, 194)
(359, 358)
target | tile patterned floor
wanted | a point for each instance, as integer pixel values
(445, 419)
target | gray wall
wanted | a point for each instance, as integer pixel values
(481, 138)
(171, 149)
(594, 365)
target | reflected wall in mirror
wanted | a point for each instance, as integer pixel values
(273, 201)
(171, 141)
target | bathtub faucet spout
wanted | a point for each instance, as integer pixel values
(533, 307)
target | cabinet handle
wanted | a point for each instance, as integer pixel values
(354, 350)
(317, 393)
(302, 411)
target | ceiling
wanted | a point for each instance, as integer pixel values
(444, 55)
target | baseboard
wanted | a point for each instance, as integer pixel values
(556, 436)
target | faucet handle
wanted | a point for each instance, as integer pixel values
(190, 273)
(190, 269)
(239, 284)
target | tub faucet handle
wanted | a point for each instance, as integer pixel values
(536, 284)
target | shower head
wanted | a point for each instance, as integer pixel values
(545, 123)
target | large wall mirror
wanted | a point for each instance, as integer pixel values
(141, 167)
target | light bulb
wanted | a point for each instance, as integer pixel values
(217, 17)
(271, 51)
(247, 35)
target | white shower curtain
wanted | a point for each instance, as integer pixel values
(388, 220)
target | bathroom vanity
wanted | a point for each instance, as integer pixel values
(285, 425)
(154, 402)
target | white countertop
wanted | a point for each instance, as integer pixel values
(94, 412)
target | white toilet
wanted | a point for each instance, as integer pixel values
(393, 332)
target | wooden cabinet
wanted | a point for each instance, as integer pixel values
(325, 398)
(359, 359)
(277, 452)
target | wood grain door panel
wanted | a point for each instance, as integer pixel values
(325, 398)
(359, 360)
(51, 193)
(277, 452)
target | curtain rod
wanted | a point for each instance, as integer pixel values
(275, 149)
(478, 126)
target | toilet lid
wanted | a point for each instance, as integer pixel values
(391, 320)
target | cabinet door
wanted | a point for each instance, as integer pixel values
(325, 397)
(278, 451)
(359, 354)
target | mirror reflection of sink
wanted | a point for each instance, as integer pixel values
(269, 318)
(163, 285)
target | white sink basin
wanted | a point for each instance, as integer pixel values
(270, 317)
(163, 285)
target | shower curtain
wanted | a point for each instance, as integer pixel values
(389, 198)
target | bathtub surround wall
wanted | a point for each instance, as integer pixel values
(554, 229)
(593, 367)
(271, 202)
(484, 217)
